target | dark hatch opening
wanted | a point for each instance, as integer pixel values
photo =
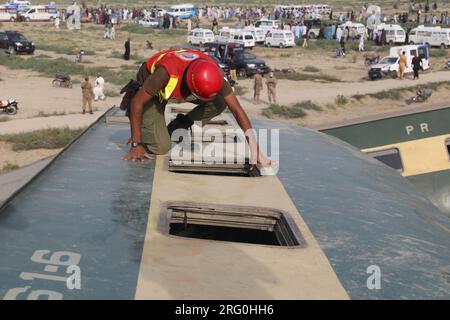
(223, 234)
(231, 223)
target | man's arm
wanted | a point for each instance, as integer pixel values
(150, 88)
(244, 122)
(137, 110)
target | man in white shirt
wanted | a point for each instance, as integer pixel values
(98, 88)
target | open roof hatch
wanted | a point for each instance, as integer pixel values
(245, 224)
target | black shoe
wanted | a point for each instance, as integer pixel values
(180, 122)
(84, 111)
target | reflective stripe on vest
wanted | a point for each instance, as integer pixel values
(173, 81)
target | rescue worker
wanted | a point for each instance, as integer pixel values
(183, 75)
(257, 86)
(402, 65)
(271, 83)
(87, 95)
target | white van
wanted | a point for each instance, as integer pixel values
(225, 35)
(433, 36)
(200, 37)
(244, 37)
(183, 11)
(8, 13)
(359, 27)
(280, 38)
(258, 34)
(268, 25)
(40, 13)
(390, 64)
(394, 33)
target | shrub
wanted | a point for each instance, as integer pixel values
(311, 69)
(285, 111)
(52, 138)
(8, 167)
(341, 100)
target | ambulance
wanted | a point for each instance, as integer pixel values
(8, 13)
(41, 13)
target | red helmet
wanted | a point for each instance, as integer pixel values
(204, 79)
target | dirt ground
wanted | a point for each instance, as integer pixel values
(36, 94)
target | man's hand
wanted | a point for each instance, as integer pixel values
(244, 122)
(138, 154)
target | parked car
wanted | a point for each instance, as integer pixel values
(149, 22)
(280, 38)
(225, 35)
(267, 25)
(244, 37)
(394, 33)
(14, 42)
(183, 11)
(200, 37)
(258, 34)
(40, 13)
(246, 62)
(390, 65)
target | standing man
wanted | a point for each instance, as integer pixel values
(87, 94)
(112, 33)
(257, 86)
(98, 88)
(183, 75)
(126, 55)
(232, 63)
(305, 36)
(271, 84)
(402, 65)
(416, 64)
(57, 21)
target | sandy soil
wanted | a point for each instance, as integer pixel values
(22, 158)
(36, 94)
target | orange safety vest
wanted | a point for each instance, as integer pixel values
(175, 62)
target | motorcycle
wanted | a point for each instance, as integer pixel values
(368, 61)
(62, 81)
(9, 106)
(421, 96)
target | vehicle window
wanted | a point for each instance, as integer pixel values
(269, 35)
(32, 11)
(400, 32)
(412, 52)
(236, 37)
(390, 157)
(248, 56)
(248, 37)
(209, 34)
(17, 37)
(240, 37)
(388, 60)
(197, 34)
(421, 53)
(412, 33)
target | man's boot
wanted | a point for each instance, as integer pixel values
(180, 122)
